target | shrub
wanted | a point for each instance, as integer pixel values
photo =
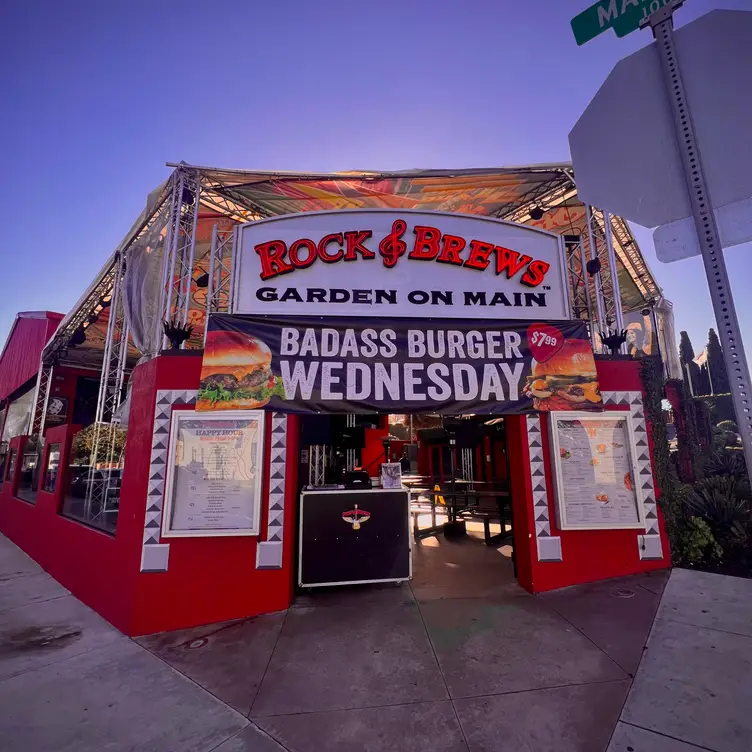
(727, 462)
(728, 425)
(696, 542)
(724, 502)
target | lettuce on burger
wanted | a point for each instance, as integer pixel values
(236, 373)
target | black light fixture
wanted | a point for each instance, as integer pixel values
(106, 301)
(78, 337)
(593, 266)
(536, 213)
(187, 197)
(202, 280)
(93, 318)
(645, 312)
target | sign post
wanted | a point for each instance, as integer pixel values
(662, 25)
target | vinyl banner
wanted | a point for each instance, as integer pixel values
(342, 365)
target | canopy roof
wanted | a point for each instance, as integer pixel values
(547, 191)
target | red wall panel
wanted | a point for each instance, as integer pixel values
(19, 361)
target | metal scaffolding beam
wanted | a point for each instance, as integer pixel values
(177, 270)
(112, 379)
(41, 398)
(221, 265)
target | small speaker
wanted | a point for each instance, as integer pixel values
(315, 429)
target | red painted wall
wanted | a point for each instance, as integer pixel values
(19, 361)
(588, 555)
(208, 580)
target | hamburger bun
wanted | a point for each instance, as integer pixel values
(575, 358)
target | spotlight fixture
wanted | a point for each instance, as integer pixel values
(187, 197)
(106, 301)
(536, 213)
(78, 337)
(203, 280)
(93, 318)
(645, 312)
(593, 266)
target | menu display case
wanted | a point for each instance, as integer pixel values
(214, 474)
(594, 457)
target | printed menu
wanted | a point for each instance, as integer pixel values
(215, 474)
(596, 475)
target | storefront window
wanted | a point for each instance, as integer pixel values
(28, 481)
(52, 469)
(92, 495)
(18, 414)
(3, 460)
(11, 467)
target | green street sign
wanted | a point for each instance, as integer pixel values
(623, 16)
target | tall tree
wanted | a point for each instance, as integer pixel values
(717, 366)
(690, 369)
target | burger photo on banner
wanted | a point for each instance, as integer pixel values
(236, 373)
(564, 379)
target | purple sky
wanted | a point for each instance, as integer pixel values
(98, 97)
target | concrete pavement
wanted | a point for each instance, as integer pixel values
(463, 660)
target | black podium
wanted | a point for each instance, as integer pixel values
(349, 537)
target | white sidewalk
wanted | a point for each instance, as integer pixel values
(694, 685)
(70, 682)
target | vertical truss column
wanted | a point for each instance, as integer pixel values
(178, 263)
(601, 247)
(112, 377)
(221, 264)
(317, 465)
(578, 278)
(41, 398)
(351, 454)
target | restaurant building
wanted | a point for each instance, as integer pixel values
(352, 364)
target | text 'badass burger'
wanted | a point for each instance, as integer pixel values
(565, 381)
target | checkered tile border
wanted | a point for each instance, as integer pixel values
(155, 555)
(549, 547)
(649, 544)
(269, 552)
(155, 559)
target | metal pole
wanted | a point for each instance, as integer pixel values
(599, 302)
(707, 230)
(589, 300)
(189, 272)
(615, 291)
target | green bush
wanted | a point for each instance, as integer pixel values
(696, 543)
(726, 462)
(728, 425)
(724, 502)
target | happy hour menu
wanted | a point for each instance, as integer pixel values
(597, 479)
(215, 475)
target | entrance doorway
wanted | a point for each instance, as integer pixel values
(456, 471)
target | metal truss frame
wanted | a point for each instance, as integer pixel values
(111, 383)
(219, 290)
(41, 399)
(177, 269)
(317, 464)
(350, 454)
(579, 283)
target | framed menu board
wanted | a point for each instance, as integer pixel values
(595, 458)
(214, 474)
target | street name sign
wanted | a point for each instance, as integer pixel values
(623, 16)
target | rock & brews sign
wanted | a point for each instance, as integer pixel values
(399, 264)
